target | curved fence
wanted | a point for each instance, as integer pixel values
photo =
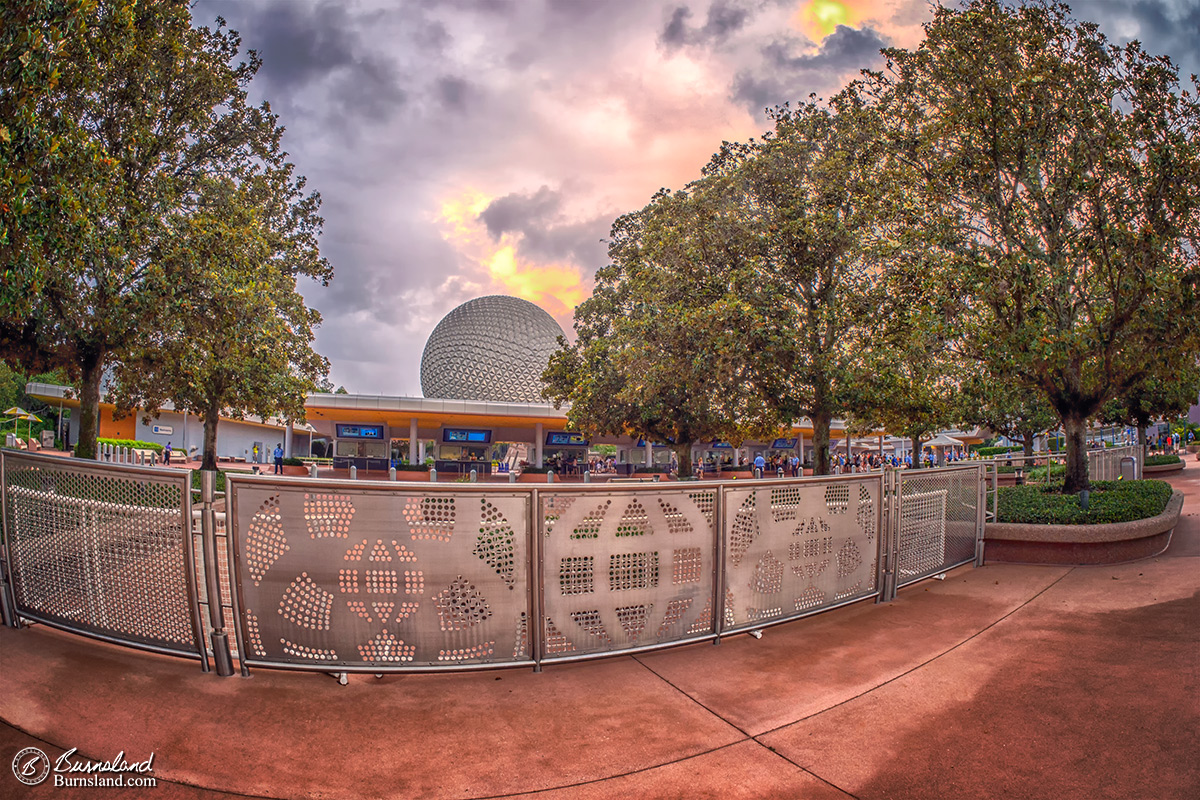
(343, 576)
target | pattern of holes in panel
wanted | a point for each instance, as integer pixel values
(589, 528)
(386, 648)
(676, 522)
(848, 558)
(768, 575)
(430, 518)
(521, 644)
(845, 594)
(706, 502)
(922, 541)
(703, 623)
(687, 565)
(494, 545)
(592, 622)
(328, 515)
(811, 546)
(674, 614)
(632, 571)
(256, 643)
(837, 498)
(306, 604)
(484, 650)
(308, 653)
(556, 642)
(460, 605)
(555, 507)
(634, 521)
(381, 581)
(576, 575)
(265, 540)
(810, 598)
(633, 620)
(745, 530)
(414, 582)
(785, 503)
(100, 551)
(866, 512)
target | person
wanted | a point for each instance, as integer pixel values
(167, 454)
(255, 454)
(760, 463)
(278, 458)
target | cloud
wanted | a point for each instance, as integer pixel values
(787, 72)
(724, 18)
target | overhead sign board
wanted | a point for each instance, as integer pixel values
(359, 431)
(163, 430)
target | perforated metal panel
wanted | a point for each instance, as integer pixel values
(626, 569)
(1105, 464)
(938, 520)
(796, 547)
(101, 549)
(381, 576)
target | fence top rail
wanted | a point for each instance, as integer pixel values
(499, 487)
(83, 465)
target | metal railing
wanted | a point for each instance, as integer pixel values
(344, 576)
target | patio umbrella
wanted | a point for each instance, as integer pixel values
(31, 418)
(16, 413)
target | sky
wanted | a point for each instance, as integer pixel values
(472, 147)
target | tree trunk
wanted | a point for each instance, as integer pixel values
(1075, 427)
(1141, 429)
(820, 441)
(916, 451)
(89, 408)
(209, 460)
(683, 455)
(1027, 438)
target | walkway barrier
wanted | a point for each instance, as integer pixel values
(383, 576)
(102, 550)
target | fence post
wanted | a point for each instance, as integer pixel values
(474, 476)
(8, 612)
(392, 474)
(981, 478)
(216, 614)
(433, 474)
(312, 470)
(353, 472)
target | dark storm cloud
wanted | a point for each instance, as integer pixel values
(543, 234)
(1171, 28)
(723, 19)
(783, 77)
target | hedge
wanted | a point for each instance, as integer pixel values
(412, 467)
(989, 452)
(135, 444)
(1110, 501)
(1161, 461)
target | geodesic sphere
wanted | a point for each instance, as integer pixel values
(490, 348)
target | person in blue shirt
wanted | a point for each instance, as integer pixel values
(760, 462)
(278, 458)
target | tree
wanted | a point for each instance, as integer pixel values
(238, 341)
(1163, 395)
(156, 110)
(1002, 405)
(807, 201)
(661, 351)
(1069, 169)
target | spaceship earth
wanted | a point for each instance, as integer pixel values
(492, 348)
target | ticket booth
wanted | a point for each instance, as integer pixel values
(566, 452)
(364, 447)
(464, 449)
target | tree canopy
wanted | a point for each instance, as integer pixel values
(1068, 167)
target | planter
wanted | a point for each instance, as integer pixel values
(1074, 545)
(1158, 469)
(295, 471)
(533, 477)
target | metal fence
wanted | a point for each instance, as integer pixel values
(101, 549)
(344, 576)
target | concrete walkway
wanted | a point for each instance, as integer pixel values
(1000, 682)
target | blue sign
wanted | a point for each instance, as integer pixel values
(642, 443)
(464, 436)
(721, 445)
(360, 431)
(784, 444)
(562, 439)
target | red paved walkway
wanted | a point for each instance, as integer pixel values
(1000, 682)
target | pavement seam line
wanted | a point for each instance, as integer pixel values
(806, 770)
(923, 664)
(173, 781)
(649, 669)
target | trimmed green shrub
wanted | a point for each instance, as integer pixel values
(1161, 461)
(293, 462)
(412, 468)
(1110, 501)
(135, 444)
(991, 452)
